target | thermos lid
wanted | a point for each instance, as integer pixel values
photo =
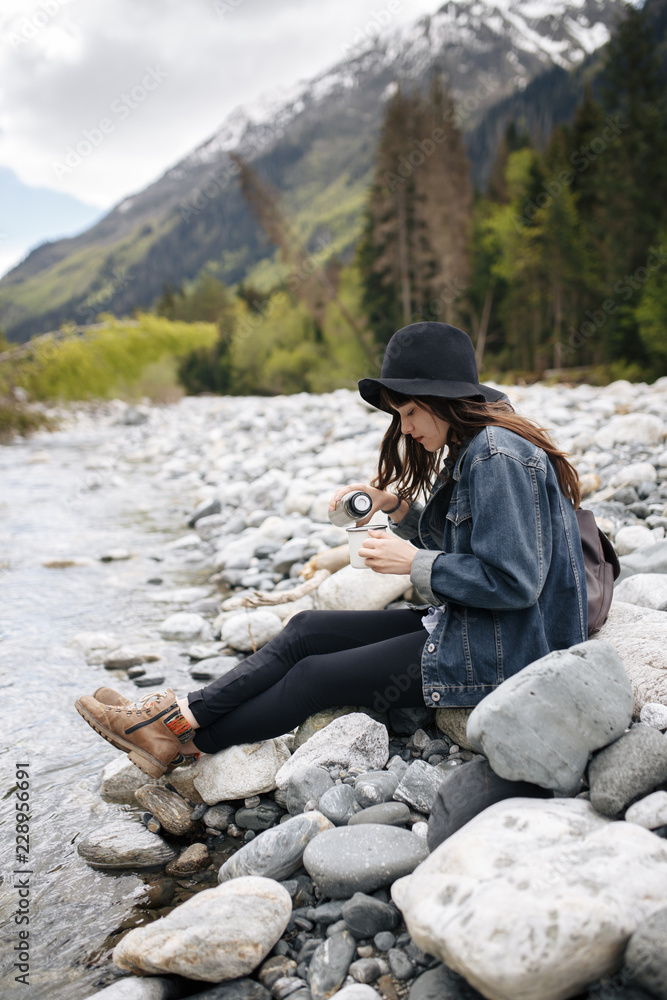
(360, 503)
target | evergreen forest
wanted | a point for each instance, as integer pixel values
(557, 268)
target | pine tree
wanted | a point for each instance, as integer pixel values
(414, 251)
(633, 173)
(384, 250)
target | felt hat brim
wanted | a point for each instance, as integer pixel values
(370, 389)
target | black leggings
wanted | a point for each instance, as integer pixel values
(321, 659)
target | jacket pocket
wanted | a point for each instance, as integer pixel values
(459, 509)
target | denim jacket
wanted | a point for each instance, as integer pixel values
(505, 562)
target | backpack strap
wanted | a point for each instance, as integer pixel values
(602, 568)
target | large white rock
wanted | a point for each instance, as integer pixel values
(357, 991)
(353, 589)
(121, 779)
(639, 636)
(89, 642)
(649, 812)
(634, 474)
(299, 497)
(354, 740)
(631, 428)
(131, 988)
(217, 935)
(240, 771)
(654, 714)
(186, 626)
(250, 630)
(534, 899)
(239, 549)
(182, 595)
(633, 537)
(648, 590)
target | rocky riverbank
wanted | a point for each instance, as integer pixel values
(378, 851)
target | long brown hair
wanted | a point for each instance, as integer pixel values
(404, 462)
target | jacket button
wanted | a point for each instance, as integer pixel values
(435, 696)
(431, 647)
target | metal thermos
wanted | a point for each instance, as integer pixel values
(351, 508)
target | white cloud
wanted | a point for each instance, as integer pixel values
(65, 68)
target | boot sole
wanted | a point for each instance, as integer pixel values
(145, 761)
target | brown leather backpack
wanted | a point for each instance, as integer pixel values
(602, 568)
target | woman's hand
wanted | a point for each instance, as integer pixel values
(385, 553)
(380, 498)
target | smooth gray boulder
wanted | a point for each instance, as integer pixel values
(276, 853)
(374, 787)
(365, 916)
(125, 845)
(387, 813)
(367, 970)
(627, 770)
(541, 724)
(350, 859)
(652, 559)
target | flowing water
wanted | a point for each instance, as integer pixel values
(62, 496)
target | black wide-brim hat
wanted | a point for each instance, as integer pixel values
(429, 359)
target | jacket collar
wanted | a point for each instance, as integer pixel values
(456, 471)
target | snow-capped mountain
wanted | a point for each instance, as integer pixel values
(512, 40)
(316, 143)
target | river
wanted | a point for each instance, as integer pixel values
(70, 494)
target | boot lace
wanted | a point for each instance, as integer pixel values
(145, 704)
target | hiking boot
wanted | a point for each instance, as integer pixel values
(141, 729)
(108, 696)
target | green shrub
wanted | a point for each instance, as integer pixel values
(95, 364)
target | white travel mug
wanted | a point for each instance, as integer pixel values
(356, 537)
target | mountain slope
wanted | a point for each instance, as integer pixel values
(315, 143)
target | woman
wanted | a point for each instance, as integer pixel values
(496, 552)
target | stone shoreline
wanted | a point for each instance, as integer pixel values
(403, 852)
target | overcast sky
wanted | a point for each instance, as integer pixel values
(162, 73)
